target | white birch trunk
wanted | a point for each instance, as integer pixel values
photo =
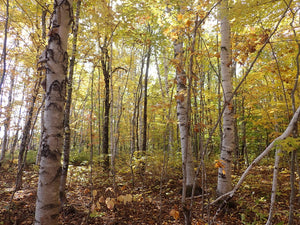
(183, 118)
(228, 141)
(55, 58)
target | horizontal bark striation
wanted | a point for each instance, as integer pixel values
(55, 58)
(228, 141)
(182, 115)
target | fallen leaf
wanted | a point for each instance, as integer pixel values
(127, 198)
(94, 193)
(101, 199)
(123, 188)
(120, 198)
(110, 203)
(174, 213)
(98, 205)
(109, 189)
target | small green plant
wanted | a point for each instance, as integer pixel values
(79, 158)
(31, 157)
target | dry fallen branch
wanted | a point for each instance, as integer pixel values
(283, 136)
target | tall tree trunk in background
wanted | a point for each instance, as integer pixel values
(105, 128)
(112, 120)
(55, 58)
(7, 119)
(4, 53)
(38, 156)
(228, 142)
(26, 134)
(138, 118)
(99, 115)
(183, 118)
(145, 124)
(3, 56)
(295, 131)
(276, 167)
(243, 155)
(16, 136)
(67, 140)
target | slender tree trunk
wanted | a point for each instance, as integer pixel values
(144, 144)
(228, 142)
(38, 156)
(145, 115)
(112, 120)
(16, 137)
(236, 131)
(293, 188)
(295, 131)
(275, 173)
(159, 76)
(26, 134)
(132, 142)
(67, 140)
(99, 113)
(4, 53)
(244, 137)
(7, 119)
(137, 110)
(91, 132)
(55, 58)
(105, 129)
(183, 118)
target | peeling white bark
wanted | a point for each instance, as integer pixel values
(228, 141)
(56, 59)
(182, 114)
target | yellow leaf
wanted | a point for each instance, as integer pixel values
(120, 198)
(98, 205)
(180, 16)
(94, 193)
(127, 198)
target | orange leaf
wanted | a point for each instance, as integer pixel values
(86, 191)
(123, 188)
(174, 213)
(180, 16)
(188, 23)
(219, 164)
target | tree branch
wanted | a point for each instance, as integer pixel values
(283, 136)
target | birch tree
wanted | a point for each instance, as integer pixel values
(67, 140)
(55, 60)
(183, 118)
(228, 140)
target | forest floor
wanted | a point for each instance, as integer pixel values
(149, 201)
